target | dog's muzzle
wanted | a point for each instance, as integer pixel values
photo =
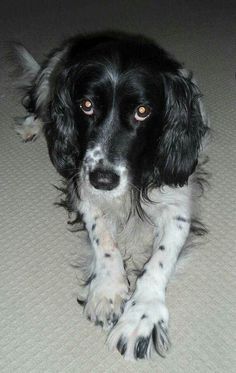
(104, 179)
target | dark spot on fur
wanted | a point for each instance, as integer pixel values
(161, 264)
(97, 241)
(133, 303)
(121, 346)
(93, 227)
(99, 322)
(181, 218)
(162, 247)
(144, 316)
(179, 227)
(110, 301)
(107, 255)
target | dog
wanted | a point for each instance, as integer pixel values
(125, 128)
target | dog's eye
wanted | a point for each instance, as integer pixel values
(142, 112)
(86, 106)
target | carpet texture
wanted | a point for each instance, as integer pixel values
(42, 329)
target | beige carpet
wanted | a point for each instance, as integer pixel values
(42, 328)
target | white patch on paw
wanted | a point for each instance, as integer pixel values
(141, 329)
(29, 128)
(106, 298)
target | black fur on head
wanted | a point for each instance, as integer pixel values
(118, 73)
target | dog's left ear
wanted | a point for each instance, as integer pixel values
(183, 131)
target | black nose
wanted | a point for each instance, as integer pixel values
(104, 179)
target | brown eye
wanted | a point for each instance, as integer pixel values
(142, 112)
(86, 106)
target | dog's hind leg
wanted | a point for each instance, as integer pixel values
(28, 127)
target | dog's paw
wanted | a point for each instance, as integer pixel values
(28, 128)
(106, 299)
(142, 328)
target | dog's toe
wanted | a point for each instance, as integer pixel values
(105, 301)
(141, 329)
(104, 312)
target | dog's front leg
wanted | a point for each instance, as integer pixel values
(108, 284)
(143, 326)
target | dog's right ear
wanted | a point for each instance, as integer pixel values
(61, 131)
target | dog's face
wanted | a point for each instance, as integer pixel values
(117, 114)
(122, 114)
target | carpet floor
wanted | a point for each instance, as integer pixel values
(42, 328)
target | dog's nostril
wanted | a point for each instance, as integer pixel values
(104, 179)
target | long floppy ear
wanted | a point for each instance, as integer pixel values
(183, 131)
(61, 132)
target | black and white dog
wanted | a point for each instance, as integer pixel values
(124, 126)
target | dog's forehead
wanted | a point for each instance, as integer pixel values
(115, 63)
(112, 71)
(104, 74)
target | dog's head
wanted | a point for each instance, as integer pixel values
(120, 112)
